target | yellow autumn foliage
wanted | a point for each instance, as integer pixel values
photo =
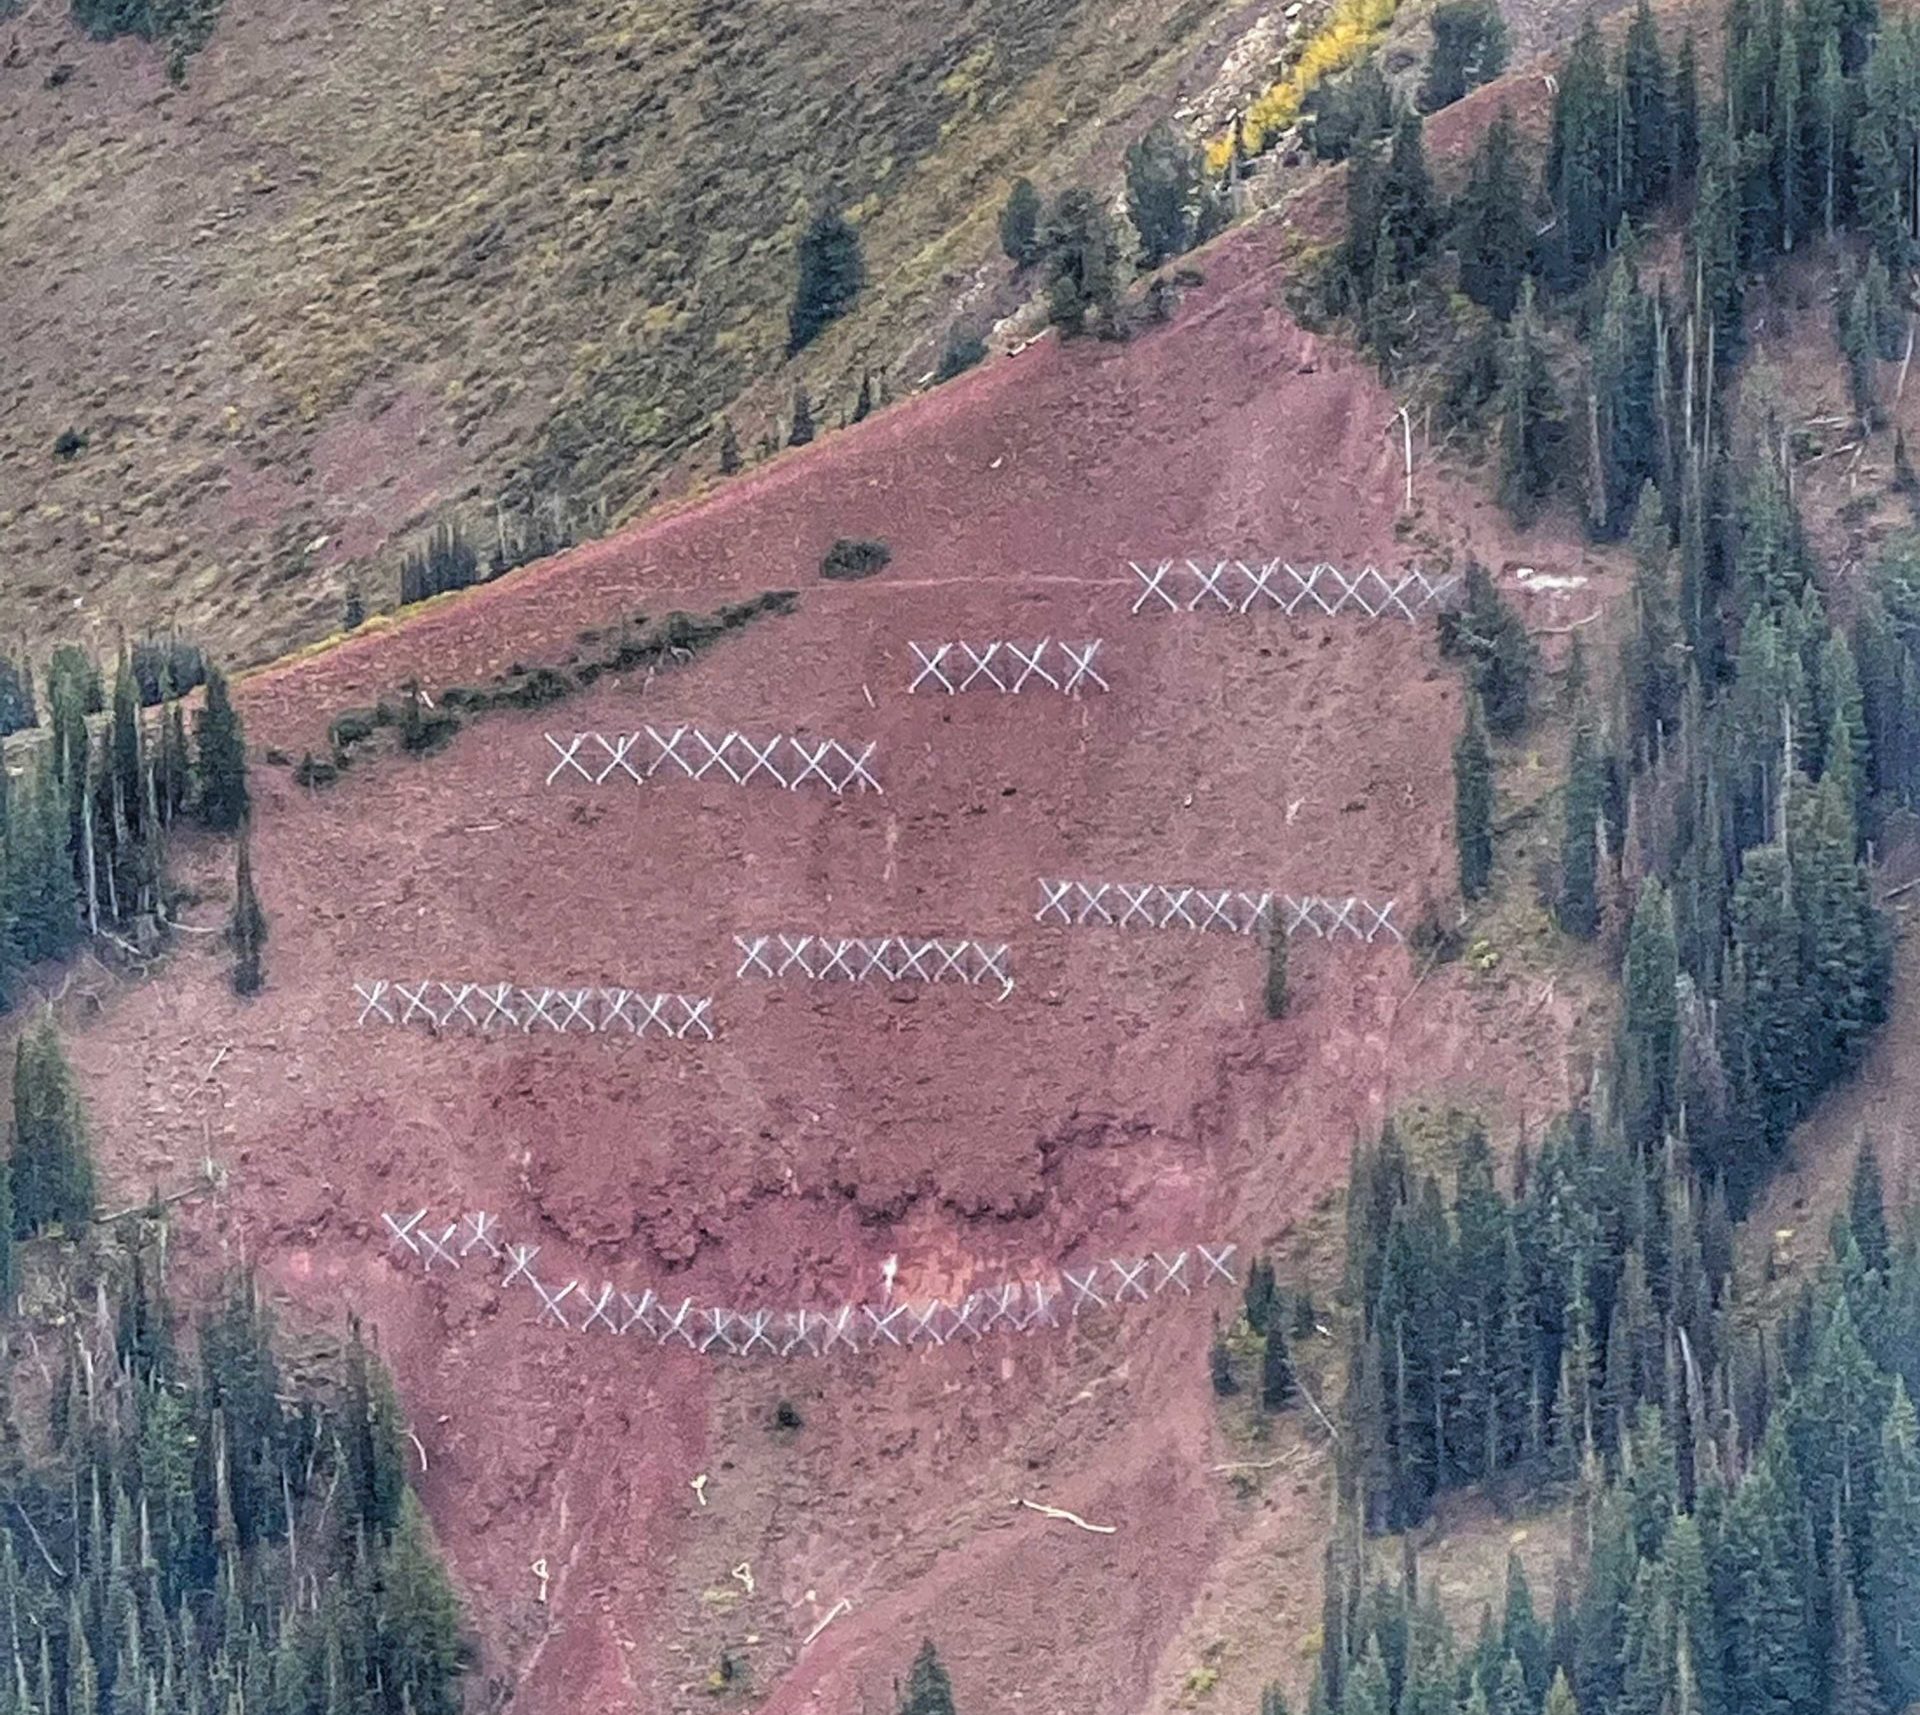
(1351, 28)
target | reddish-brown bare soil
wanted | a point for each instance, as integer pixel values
(1127, 1094)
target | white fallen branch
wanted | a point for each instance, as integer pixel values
(1061, 1513)
(843, 1606)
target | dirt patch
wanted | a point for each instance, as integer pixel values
(1127, 1093)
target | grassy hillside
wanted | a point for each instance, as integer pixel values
(375, 258)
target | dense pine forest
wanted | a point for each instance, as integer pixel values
(83, 833)
(1743, 1464)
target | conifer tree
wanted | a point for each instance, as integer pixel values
(1469, 49)
(1020, 224)
(1163, 193)
(1368, 1690)
(1684, 113)
(1650, 1021)
(929, 1691)
(1220, 1363)
(1579, 908)
(1408, 212)
(1081, 263)
(419, 1648)
(1581, 157)
(40, 884)
(1275, 993)
(247, 928)
(222, 748)
(831, 274)
(1892, 1583)
(801, 430)
(1490, 222)
(1473, 802)
(1866, 1208)
(1527, 410)
(1650, 659)
(50, 1164)
(1261, 1295)
(1560, 1699)
(1647, 144)
(1276, 1368)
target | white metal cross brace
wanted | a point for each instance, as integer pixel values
(1219, 1262)
(924, 1320)
(1209, 585)
(1083, 1288)
(1259, 583)
(1030, 667)
(668, 750)
(676, 1324)
(756, 1323)
(537, 1001)
(1175, 900)
(1154, 582)
(618, 749)
(637, 1312)
(1136, 898)
(550, 1302)
(858, 773)
(416, 1001)
(1173, 1272)
(982, 666)
(1093, 902)
(1214, 909)
(1054, 896)
(653, 1008)
(993, 963)
(1130, 1280)
(499, 1001)
(1080, 667)
(1044, 1300)
(836, 960)
(479, 1236)
(402, 1231)
(434, 1250)
(1394, 597)
(716, 756)
(569, 757)
(457, 996)
(696, 1008)
(753, 955)
(882, 1322)
(841, 1329)
(372, 1001)
(1310, 588)
(576, 1002)
(953, 960)
(798, 1326)
(962, 1315)
(1000, 1302)
(1302, 913)
(613, 1008)
(718, 1322)
(1382, 919)
(912, 957)
(930, 667)
(521, 1256)
(795, 947)
(1341, 917)
(1259, 910)
(811, 762)
(762, 758)
(597, 1310)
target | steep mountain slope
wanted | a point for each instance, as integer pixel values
(1126, 1096)
(373, 260)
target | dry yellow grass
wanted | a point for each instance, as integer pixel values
(381, 258)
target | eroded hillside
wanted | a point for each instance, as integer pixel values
(1127, 1095)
